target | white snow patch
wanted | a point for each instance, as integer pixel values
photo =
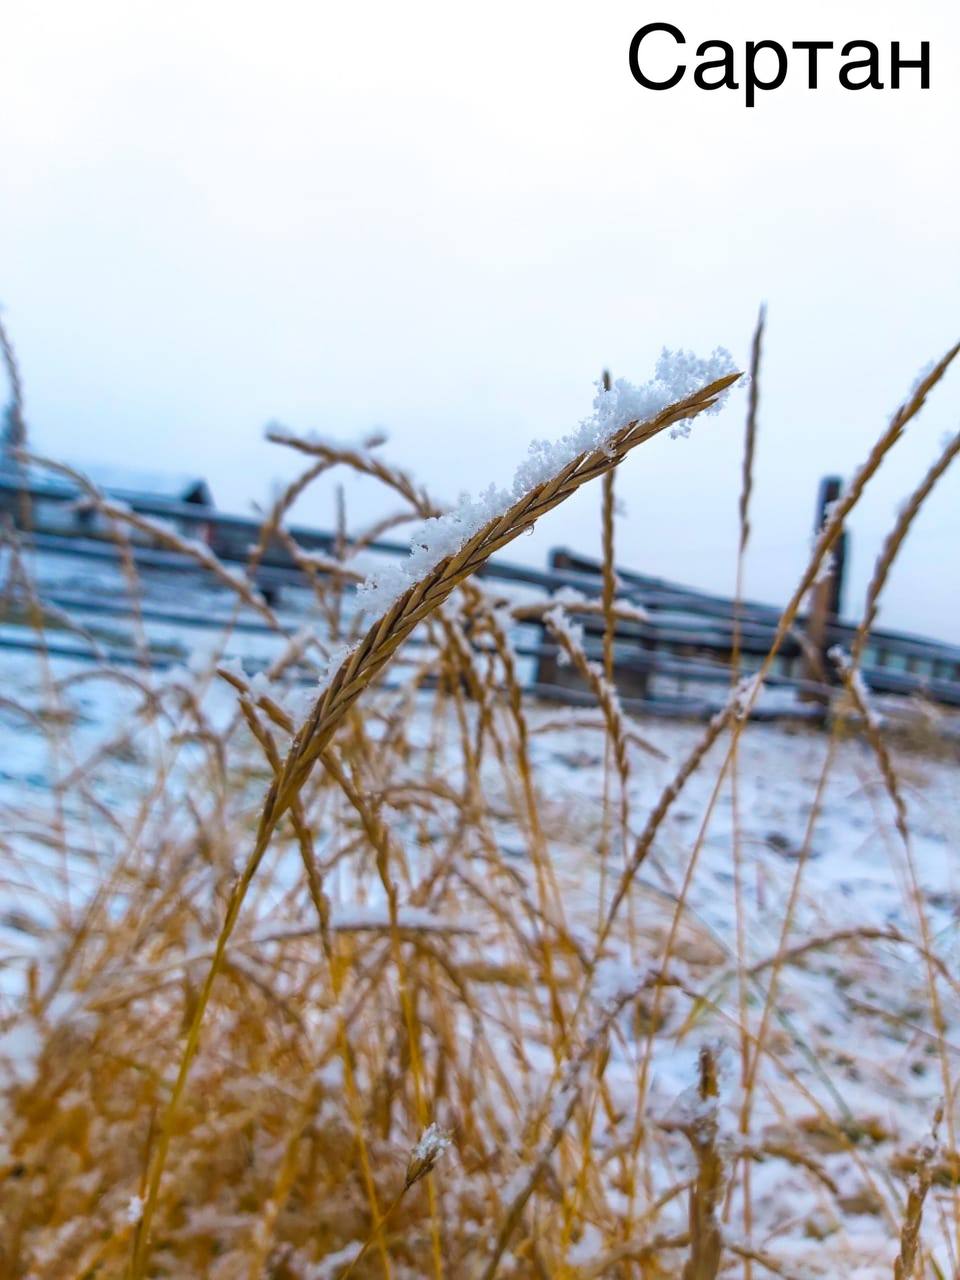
(133, 1210)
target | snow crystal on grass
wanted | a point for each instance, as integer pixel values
(678, 374)
(922, 376)
(261, 686)
(826, 568)
(334, 1263)
(569, 596)
(745, 694)
(572, 632)
(433, 1142)
(331, 663)
(842, 661)
(233, 667)
(431, 1146)
(690, 1111)
(133, 1210)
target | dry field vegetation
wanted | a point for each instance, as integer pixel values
(407, 982)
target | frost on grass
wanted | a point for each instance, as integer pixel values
(745, 694)
(561, 624)
(690, 1112)
(678, 374)
(331, 663)
(334, 1263)
(851, 674)
(431, 1146)
(826, 568)
(133, 1210)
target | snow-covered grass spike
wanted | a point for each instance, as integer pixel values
(679, 376)
(428, 1150)
(465, 539)
(619, 424)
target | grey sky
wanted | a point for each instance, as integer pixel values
(446, 219)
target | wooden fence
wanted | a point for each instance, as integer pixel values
(670, 662)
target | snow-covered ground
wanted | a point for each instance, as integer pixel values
(851, 1030)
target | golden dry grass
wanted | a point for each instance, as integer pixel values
(316, 935)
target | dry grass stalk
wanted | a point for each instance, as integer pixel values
(638, 1251)
(859, 697)
(904, 1266)
(609, 559)
(848, 499)
(700, 1128)
(895, 539)
(160, 533)
(361, 461)
(604, 692)
(564, 1103)
(746, 490)
(750, 437)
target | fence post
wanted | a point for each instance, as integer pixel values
(826, 595)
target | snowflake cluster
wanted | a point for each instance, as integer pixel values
(678, 374)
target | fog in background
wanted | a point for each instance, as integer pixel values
(447, 219)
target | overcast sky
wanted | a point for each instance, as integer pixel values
(446, 219)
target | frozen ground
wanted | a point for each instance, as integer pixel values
(852, 1034)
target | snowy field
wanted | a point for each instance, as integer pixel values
(379, 966)
(853, 1071)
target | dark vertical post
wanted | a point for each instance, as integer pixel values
(830, 489)
(826, 595)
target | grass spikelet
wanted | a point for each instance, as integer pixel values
(699, 1126)
(904, 1266)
